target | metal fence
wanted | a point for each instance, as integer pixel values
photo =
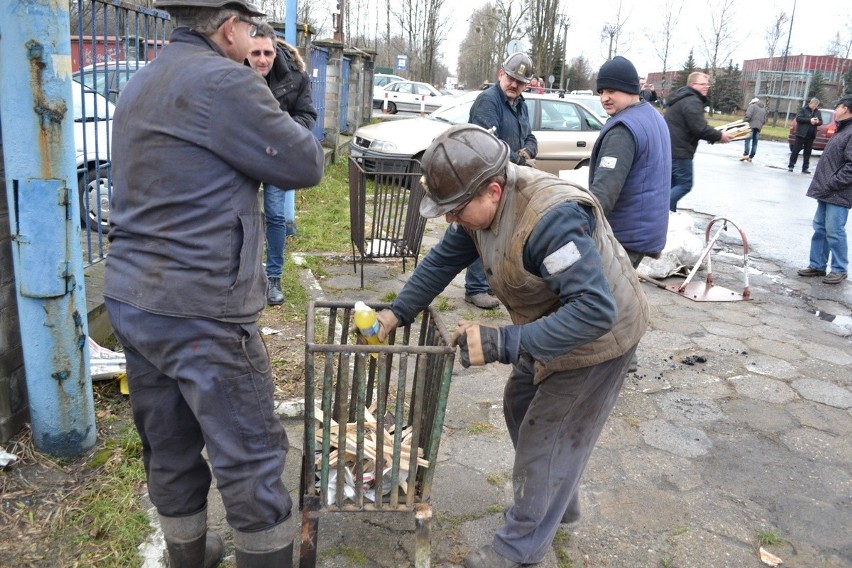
(110, 41)
(384, 210)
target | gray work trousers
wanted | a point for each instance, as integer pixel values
(554, 426)
(196, 383)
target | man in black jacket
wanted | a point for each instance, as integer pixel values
(807, 121)
(284, 71)
(687, 125)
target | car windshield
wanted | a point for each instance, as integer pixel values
(455, 112)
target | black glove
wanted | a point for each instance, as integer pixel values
(481, 344)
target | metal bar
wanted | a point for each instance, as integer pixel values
(423, 535)
(310, 527)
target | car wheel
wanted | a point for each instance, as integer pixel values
(94, 198)
(391, 108)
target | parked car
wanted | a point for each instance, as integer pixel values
(411, 96)
(380, 80)
(108, 78)
(824, 131)
(593, 102)
(92, 138)
(566, 131)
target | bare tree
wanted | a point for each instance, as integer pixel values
(775, 33)
(663, 38)
(718, 41)
(484, 47)
(613, 33)
(422, 29)
(543, 23)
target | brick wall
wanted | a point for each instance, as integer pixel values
(13, 392)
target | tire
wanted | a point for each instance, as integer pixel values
(392, 108)
(94, 193)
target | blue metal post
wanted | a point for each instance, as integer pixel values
(290, 21)
(44, 217)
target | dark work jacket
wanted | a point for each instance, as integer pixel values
(640, 216)
(832, 181)
(804, 128)
(687, 125)
(194, 135)
(291, 87)
(491, 109)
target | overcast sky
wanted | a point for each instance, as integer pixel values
(812, 30)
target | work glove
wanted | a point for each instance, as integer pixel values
(387, 323)
(524, 156)
(481, 344)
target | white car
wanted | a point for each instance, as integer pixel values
(411, 96)
(92, 138)
(593, 102)
(566, 131)
(380, 81)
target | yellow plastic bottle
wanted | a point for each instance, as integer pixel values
(367, 323)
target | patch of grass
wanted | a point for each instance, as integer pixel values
(389, 297)
(666, 562)
(495, 508)
(481, 428)
(353, 556)
(677, 531)
(560, 548)
(104, 518)
(322, 212)
(768, 538)
(497, 479)
(442, 304)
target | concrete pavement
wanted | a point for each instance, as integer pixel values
(697, 459)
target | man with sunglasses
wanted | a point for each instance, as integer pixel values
(577, 308)
(195, 133)
(280, 64)
(502, 110)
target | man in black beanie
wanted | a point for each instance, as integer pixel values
(631, 166)
(630, 170)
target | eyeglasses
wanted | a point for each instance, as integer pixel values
(265, 52)
(458, 210)
(253, 26)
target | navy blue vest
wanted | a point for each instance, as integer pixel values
(640, 217)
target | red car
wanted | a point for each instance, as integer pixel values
(824, 131)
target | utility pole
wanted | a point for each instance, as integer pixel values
(564, 54)
(784, 67)
(44, 219)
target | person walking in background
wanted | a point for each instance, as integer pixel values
(687, 125)
(832, 188)
(647, 92)
(195, 132)
(755, 115)
(578, 312)
(501, 109)
(284, 71)
(631, 166)
(807, 120)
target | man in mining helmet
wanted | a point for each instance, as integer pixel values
(577, 309)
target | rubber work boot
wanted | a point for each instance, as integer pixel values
(572, 513)
(188, 542)
(281, 558)
(274, 296)
(485, 557)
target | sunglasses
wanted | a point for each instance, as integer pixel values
(265, 52)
